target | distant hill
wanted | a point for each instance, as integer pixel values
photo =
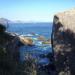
(5, 21)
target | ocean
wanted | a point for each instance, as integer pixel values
(27, 28)
(39, 29)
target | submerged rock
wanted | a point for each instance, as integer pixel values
(41, 38)
(46, 42)
(63, 42)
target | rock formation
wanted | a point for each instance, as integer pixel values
(63, 42)
(9, 53)
(41, 38)
(10, 63)
(26, 40)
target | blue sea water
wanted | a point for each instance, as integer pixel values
(39, 29)
(27, 28)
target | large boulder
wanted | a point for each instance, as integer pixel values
(63, 42)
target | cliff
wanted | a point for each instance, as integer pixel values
(63, 42)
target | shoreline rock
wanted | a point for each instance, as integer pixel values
(47, 42)
(26, 40)
(41, 38)
(63, 42)
(9, 53)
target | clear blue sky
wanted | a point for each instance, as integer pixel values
(33, 10)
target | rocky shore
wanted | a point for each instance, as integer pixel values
(10, 64)
(63, 42)
(10, 55)
(63, 47)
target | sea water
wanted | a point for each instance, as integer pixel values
(28, 29)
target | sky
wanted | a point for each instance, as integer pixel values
(33, 10)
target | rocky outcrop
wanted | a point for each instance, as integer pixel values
(10, 63)
(26, 40)
(41, 38)
(9, 53)
(47, 41)
(63, 42)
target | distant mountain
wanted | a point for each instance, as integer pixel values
(4, 21)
